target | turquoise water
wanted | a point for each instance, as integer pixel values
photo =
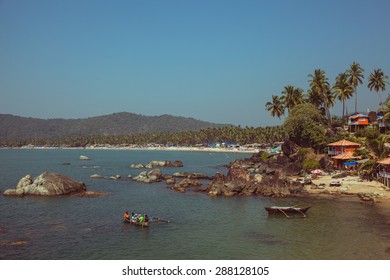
(201, 227)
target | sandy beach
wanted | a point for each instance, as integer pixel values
(155, 148)
(350, 187)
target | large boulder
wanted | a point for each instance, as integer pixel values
(290, 149)
(46, 184)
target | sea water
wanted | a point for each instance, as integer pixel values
(200, 227)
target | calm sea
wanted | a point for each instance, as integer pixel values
(200, 227)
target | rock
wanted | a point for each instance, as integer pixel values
(153, 176)
(170, 181)
(96, 176)
(48, 184)
(25, 181)
(258, 178)
(289, 148)
(116, 177)
(138, 166)
(238, 173)
(155, 172)
(185, 183)
(177, 163)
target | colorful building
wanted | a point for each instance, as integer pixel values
(357, 121)
(384, 171)
(342, 151)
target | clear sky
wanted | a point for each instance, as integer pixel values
(214, 60)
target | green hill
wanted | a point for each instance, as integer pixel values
(15, 127)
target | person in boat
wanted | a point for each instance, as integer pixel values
(141, 219)
(126, 216)
(146, 218)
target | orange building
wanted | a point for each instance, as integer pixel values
(357, 121)
(342, 151)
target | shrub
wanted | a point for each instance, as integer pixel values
(310, 164)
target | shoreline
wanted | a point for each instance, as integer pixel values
(350, 189)
(142, 148)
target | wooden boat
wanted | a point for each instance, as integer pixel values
(287, 210)
(136, 223)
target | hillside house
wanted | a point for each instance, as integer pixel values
(357, 121)
(342, 151)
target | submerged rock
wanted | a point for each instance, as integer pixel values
(84, 158)
(46, 184)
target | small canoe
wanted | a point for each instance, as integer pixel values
(287, 210)
(136, 223)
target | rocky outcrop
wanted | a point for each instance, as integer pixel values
(46, 184)
(239, 181)
(186, 183)
(149, 177)
(158, 163)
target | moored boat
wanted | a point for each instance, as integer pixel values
(287, 210)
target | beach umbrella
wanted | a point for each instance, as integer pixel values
(316, 171)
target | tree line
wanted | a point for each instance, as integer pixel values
(323, 95)
(227, 134)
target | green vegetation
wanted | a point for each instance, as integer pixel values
(304, 125)
(227, 134)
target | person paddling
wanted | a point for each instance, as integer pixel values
(126, 216)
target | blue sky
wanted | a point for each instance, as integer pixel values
(213, 60)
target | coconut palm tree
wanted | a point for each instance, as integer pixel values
(275, 107)
(355, 78)
(343, 89)
(291, 96)
(319, 86)
(377, 82)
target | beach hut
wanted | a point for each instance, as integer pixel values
(341, 147)
(384, 171)
(340, 160)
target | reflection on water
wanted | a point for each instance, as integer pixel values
(200, 227)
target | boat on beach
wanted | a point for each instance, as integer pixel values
(292, 210)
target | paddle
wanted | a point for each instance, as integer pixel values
(156, 219)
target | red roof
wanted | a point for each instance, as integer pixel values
(347, 155)
(385, 161)
(344, 143)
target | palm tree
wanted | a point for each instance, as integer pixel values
(291, 96)
(275, 107)
(319, 86)
(378, 81)
(355, 77)
(343, 89)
